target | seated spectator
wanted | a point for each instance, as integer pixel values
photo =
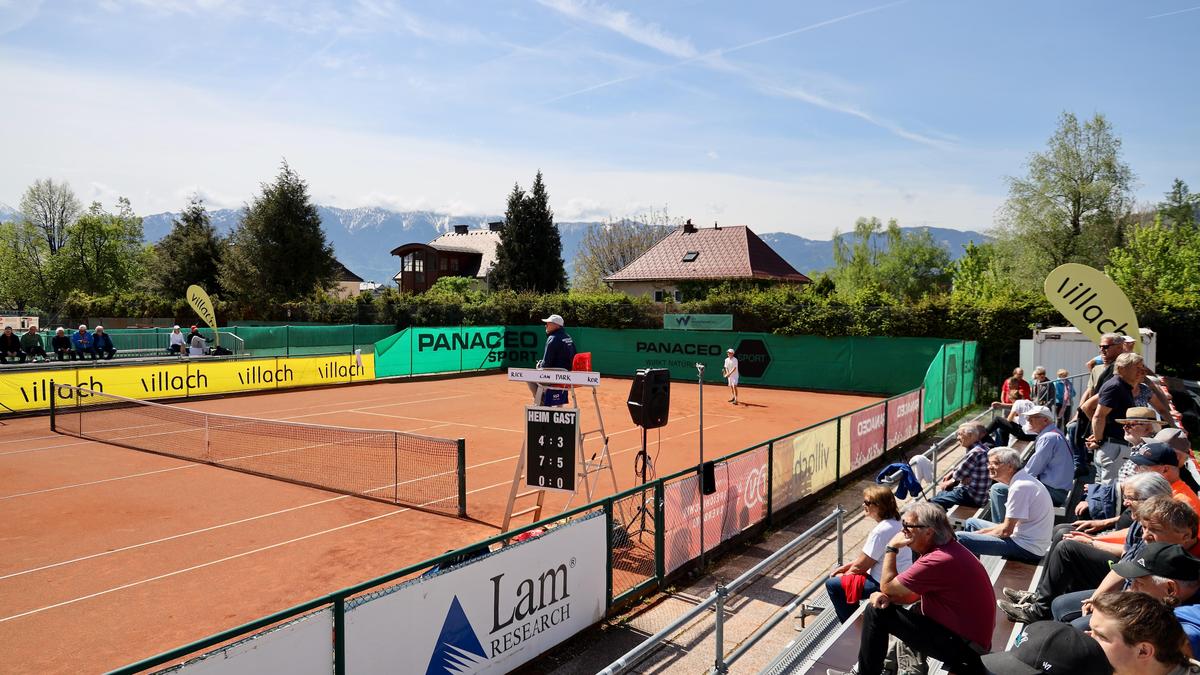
(1158, 457)
(1178, 440)
(177, 341)
(1050, 647)
(1099, 499)
(1064, 396)
(10, 346)
(1140, 636)
(103, 344)
(196, 343)
(61, 344)
(879, 504)
(81, 342)
(1167, 573)
(969, 483)
(1080, 561)
(1015, 423)
(31, 344)
(1042, 392)
(1052, 462)
(1024, 534)
(955, 620)
(1013, 386)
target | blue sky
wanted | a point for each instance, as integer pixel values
(785, 116)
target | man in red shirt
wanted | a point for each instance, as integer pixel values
(955, 619)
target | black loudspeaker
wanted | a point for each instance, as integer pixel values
(650, 398)
(708, 478)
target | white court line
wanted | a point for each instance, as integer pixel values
(29, 438)
(381, 405)
(97, 482)
(220, 560)
(171, 537)
(47, 447)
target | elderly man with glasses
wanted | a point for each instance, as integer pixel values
(955, 621)
(1024, 533)
(1115, 399)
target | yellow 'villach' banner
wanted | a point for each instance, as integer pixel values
(1091, 302)
(200, 302)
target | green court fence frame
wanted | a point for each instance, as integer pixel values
(286, 340)
(634, 569)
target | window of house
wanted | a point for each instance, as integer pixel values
(454, 264)
(443, 264)
(678, 296)
(691, 256)
(659, 296)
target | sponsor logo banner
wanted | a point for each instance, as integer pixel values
(739, 502)
(143, 382)
(698, 321)
(904, 421)
(866, 436)
(489, 615)
(1091, 302)
(334, 369)
(30, 390)
(813, 465)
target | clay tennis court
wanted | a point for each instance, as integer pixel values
(112, 555)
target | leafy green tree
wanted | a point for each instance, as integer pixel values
(189, 254)
(1158, 264)
(1071, 204)
(278, 252)
(1179, 209)
(103, 252)
(874, 259)
(981, 274)
(51, 207)
(609, 246)
(529, 257)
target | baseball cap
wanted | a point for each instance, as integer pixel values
(1139, 414)
(1169, 561)
(1050, 647)
(1127, 338)
(1176, 438)
(1155, 453)
(729, 351)
(1040, 411)
(554, 318)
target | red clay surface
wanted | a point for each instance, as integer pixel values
(111, 555)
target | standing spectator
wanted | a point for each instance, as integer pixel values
(560, 353)
(1140, 636)
(10, 346)
(1052, 461)
(61, 344)
(860, 577)
(1099, 373)
(177, 341)
(81, 342)
(1014, 385)
(103, 344)
(969, 483)
(955, 621)
(1023, 533)
(1043, 389)
(730, 372)
(1115, 398)
(1064, 396)
(31, 344)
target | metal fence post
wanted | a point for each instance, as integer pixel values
(660, 563)
(608, 553)
(719, 662)
(339, 636)
(53, 404)
(840, 524)
(837, 454)
(770, 478)
(886, 407)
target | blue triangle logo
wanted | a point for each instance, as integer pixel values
(458, 649)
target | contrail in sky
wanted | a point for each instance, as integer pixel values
(1178, 11)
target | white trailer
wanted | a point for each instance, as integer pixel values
(1067, 348)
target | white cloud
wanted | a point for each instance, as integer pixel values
(623, 23)
(15, 14)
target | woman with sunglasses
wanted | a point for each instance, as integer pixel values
(859, 578)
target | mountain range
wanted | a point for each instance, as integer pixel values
(362, 238)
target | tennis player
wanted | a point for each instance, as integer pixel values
(730, 373)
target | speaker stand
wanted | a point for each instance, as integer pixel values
(642, 511)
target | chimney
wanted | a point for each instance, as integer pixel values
(716, 226)
(496, 226)
(460, 229)
(688, 227)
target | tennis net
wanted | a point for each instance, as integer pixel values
(395, 467)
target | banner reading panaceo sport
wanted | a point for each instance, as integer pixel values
(490, 615)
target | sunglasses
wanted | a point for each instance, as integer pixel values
(1103, 347)
(906, 527)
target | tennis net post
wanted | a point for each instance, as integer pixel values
(462, 478)
(53, 402)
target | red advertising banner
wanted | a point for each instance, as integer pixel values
(739, 502)
(904, 418)
(866, 435)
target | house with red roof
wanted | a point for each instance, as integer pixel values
(702, 254)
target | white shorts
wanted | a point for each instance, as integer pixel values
(733, 379)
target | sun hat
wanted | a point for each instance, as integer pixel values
(1140, 414)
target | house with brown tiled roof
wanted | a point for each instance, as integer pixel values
(461, 253)
(348, 283)
(702, 254)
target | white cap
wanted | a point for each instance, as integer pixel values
(1127, 338)
(1041, 410)
(175, 327)
(553, 318)
(729, 351)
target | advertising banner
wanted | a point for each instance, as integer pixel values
(418, 351)
(865, 431)
(332, 369)
(30, 390)
(142, 382)
(218, 377)
(490, 615)
(302, 647)
(698, 322)
(903, 413)
(739, 502)
(1091, 302)
(813, 463)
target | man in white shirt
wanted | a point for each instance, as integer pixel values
(1029, 514)
(1015, 423)
(730, 373)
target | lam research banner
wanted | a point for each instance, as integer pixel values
(1091, 302)
(490, 615)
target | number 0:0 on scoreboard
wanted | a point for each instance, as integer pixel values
(550, 435)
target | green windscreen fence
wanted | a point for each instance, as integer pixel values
(271, 340)
(877, 365)
(950, 380)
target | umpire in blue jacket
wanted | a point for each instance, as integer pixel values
(560, 353)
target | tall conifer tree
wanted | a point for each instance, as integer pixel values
(529, 257)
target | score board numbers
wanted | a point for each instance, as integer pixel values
(550, 435)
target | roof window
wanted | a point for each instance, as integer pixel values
(691, 256)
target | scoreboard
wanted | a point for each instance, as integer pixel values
(550, 435)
